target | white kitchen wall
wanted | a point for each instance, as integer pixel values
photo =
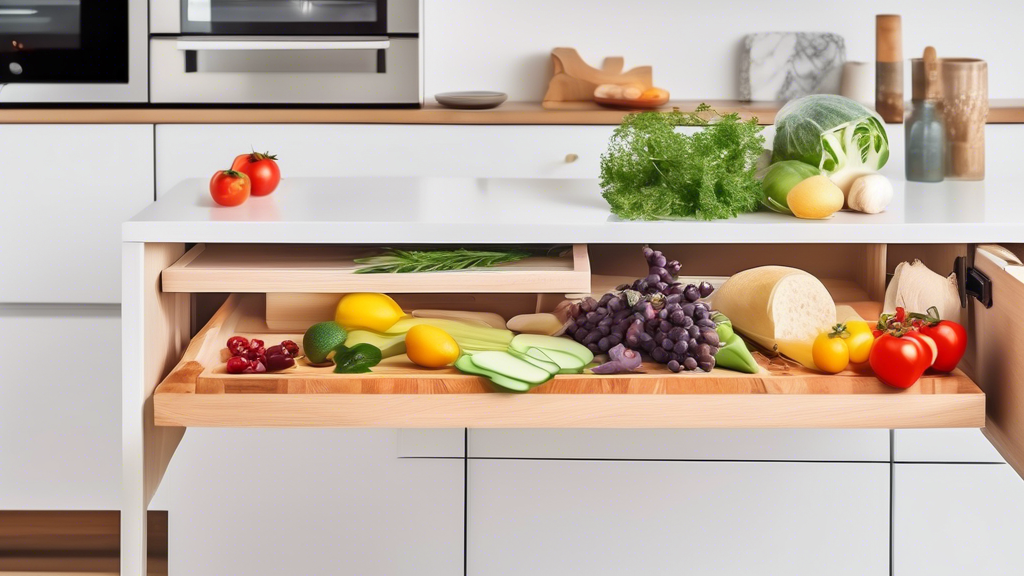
(693, 45)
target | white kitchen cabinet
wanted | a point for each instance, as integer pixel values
(60, 421)
(65, 189)
(273, 502)
(432, 443)
(332, 150)
(953, 519)
(597, 518)
(944, 445)
(764, 444)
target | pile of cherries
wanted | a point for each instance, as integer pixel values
(251, 357)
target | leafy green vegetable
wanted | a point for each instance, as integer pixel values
(780, 179)
(399, 261)
(356, 360)
(841, 137)
(651, 171)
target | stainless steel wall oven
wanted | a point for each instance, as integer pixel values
(313, 52)
(64, 41)
(284, 17)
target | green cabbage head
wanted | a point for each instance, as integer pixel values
(841, 137)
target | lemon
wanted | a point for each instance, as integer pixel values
(367, 310)
(816, 198)
(430, 347)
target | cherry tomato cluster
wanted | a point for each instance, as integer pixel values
(255, 174)
(252, 357)
(907, 344)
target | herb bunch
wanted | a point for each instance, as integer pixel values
(398, 261)
(650, 171)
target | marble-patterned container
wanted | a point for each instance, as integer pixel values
(788, 65)
(965, 99)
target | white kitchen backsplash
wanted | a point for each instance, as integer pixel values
(693, 45)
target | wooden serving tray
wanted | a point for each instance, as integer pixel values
(199, 392)
(329, 268)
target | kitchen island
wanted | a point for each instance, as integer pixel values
(181, 254)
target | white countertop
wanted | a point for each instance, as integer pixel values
(514, 211)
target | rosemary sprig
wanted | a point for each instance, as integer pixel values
(393, 261)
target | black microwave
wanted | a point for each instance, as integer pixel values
(284, 17)
(64, 41)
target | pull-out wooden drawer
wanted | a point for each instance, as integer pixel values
(397, 394)
(199, 392)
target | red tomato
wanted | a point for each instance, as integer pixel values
(899, 362)
(951, 340)
(929, 345)
(229, 188)
(261, 169)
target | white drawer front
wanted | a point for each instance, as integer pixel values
(65, 189)
(587, 518)
(944, 445)
(768, 444)
(60, 408)
(957, 519)
(332, 150)
(277, 502)
(285, 76)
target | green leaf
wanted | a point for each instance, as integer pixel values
(356, 360)
(393, 261)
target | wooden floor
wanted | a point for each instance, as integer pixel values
(79, 542)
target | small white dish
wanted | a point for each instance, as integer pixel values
(471, 100)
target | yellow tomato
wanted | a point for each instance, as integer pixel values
(430, 347)
(830, 353)
(367, 310)
(860, 340)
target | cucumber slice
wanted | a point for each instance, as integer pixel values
(465, 364)
(567, 363)
(510, 384)
(508, 365)
(540, 361)
(523, 343)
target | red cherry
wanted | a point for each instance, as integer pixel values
(237, 365)
(291, 347)
(237, 345)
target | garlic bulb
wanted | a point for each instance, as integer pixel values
(870, 194)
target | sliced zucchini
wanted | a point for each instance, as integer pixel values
(523, 343)
(465, 364)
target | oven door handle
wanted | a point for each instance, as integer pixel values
(192, 45)
(283, 43)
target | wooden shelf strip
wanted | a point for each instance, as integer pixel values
(1009, 111)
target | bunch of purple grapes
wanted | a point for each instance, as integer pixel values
(654, 315)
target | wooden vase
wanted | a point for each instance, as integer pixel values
(889, 67)
(965, 99)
